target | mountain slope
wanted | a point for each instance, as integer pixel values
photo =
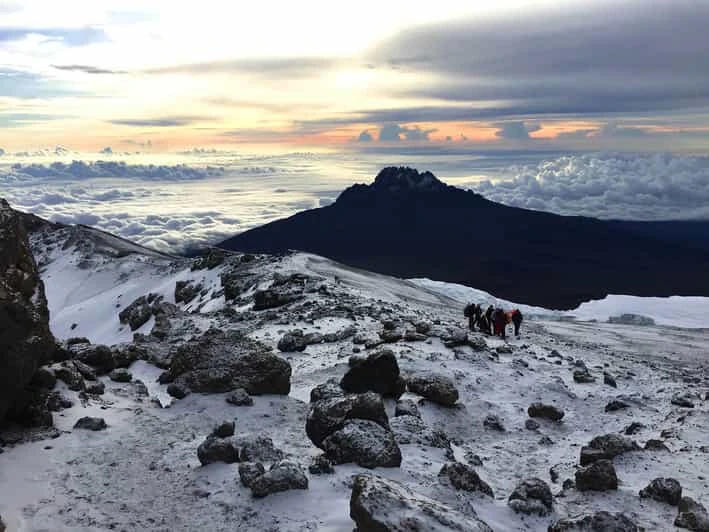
(409, 224)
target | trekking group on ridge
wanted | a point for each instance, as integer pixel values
(493, 320)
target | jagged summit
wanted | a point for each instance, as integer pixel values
(395, 179)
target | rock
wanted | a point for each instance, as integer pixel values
(178, 391)
(413, 336)
(363, 442)
(606, 447)
(477, 343)
(121, 375)
(137, 313)
(283, 476)
(321, 465)
(545, 411)
(99, 357)
(493, 422)
(224, 429)
(531, 496)
(599, 476)
(327, 390)
(390, 336)
(56, 402)
(125, 356)
(2, 525)
(631, 319)
(217, 450)
(90, 423)
(434, 387)
(379, 373)
(71, 377)
(186, 291)
(25, 339)
(656, 445)
(455, 338)
(406, 407)
(240, 397)
(633, 428)
(250, 471)
(267, 299)
(96, 388)
(683, 400)
(213, 258)
(464, 477)
(422, 327)
(507, 350)
(44, 378)
(85, 370)
(692, 515)
(293, 341)
(258, 449)
(329, 415)
(582, 376)
(663, 490)
(597, 522)
(530, 424)
(616, 405)
(222, 361)
(609, 380)
(383, 505)
(412, 430)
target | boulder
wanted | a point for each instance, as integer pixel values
(464, 477)
(412, 430)
(609, 380)
(96, 388)
(531, 496)
(56, 402)
(633, 428)
(692, 516)
(221, 361)
(383, 505)
(606, 447)
(71, 377)
(616, 405)
(321, 465)
(582, 376)
(44, 378)
(663, 490)
(178, 391)
(363, 442)
(326, 390)
(217, 450)
(258, 449)
(390, 336)
(137, 313)
(283, 476)
(683, 400)
(293, 341)
(455, 338)
(25, 339)
(434, 387)
(596, 522)
(90, 423)
(224, 429)
(240, 397)
(250, 471)
(86, 371)
(99, 357)
(656, 445)
(545, 411)
(406, 407)
(267, 299)
(379, 372)
(530, 424)
(186, 291)
(599, 476)
(493, 422)
(121, 375)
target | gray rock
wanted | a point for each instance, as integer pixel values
(293, 341)
(56, 402)
(71, 377)
(434, 387)
(596, 522)
(321, 465)
(90, 423)
(545, 411)
(137, 313)
(96, 388)
(121, 375)
(631, 319)
(258, 449)
(412, 430)
(99, 357)
(382, 505)
(186, 291)
(656, 445)
(606, 447)
(250, 471)
(633, 428)
(406, 407)
(609, 380)
(530, 424)
(531, 496)
(464, 477)
(363, 442)
(271, 298)
(599, 476)
(455, 338)
(493, 422)
(178, 391)
(413, 336)
(217, 450)
(582, 376)
(327, 390)
(283, 476)
(692, 516)
(683, 400)
(44, 378)
(379, 372)
(86, 371)
(663, 490)
(240, 397)
(390, 336)
(615, 405)
(224, 429)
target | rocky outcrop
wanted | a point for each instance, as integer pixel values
(383, 505)
(379, 372)
(663, 490)
(284, 475)
(692, 516)
(25, 339)
(434, 387)
(220, 362)
(531, 496)
(363, 442)
(271, 298)
(599, 476)
(599, 521)
(606, 447)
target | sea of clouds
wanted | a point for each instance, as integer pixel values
(192, 201)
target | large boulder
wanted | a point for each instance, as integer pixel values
(292, 341)
(99, 357)
(596, 522)
(663, 490)
(25, 340)
(599, 476)
(531, 496)
(464, 477)
(363, 442)
(272, 298)
(692, 516)
(137, 313)
(379, 372)
(606, 447)
(224, 361)
(217, 450)
(90, 423)
(434, 387)
(258, 449)
(412, 430)
(544, 411)
(284, 475)
(381, 505)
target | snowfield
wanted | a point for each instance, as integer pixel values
(143, 472)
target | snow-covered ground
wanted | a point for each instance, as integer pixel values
(142, 473)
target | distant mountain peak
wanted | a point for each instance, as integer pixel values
(403, 178)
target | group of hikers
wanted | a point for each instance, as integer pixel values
(493, 320)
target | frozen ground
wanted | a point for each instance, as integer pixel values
(142, 472)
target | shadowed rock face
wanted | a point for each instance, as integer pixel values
(25, 339)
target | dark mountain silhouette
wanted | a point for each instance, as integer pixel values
(410, 224)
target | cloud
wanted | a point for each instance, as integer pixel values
(271, 68)
(394, 133)
(29, 85)
(365, 136)
(515, 130)
(68, 36)
(175, 121)
(22, 119)
(87, 69)
(107, 150)
(623, 186)
(78, 170)
(2, 152)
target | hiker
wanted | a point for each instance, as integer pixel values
(488, 318)
(517, 320)
(469, 312)
(477, 314)
(499, 321)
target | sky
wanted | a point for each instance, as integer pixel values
(365, 76)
